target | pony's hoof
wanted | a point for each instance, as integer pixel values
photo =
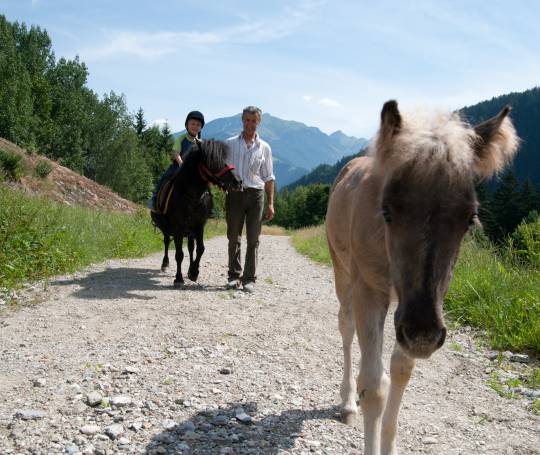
(164, 268)
(178, 283)
(193, 276)
(349, 418)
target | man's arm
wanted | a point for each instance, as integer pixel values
(267, 174)
(269, 189)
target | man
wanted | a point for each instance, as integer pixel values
(194, 124)
(252, 158)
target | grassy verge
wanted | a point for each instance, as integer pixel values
(40, 238)
(489, 291)
(311, 242)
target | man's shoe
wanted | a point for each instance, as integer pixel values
(233, 284)
(249, 288)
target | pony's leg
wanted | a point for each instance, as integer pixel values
(191, 247)
(349, 410)
(193, 272)
(166, 242)
(179, 256)
(370, 309)
(401, 367)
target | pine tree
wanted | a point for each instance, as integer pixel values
(506, 207)
(140, 123)
(167, 139)
(527, 198)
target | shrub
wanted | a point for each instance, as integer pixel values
(12, 165)
(525, 241)
(42, 169)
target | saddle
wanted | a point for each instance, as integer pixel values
(163, 196)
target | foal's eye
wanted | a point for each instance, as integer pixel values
(386, 214)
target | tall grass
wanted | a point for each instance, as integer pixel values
(491, 289)
(40, 238)
(311, 242)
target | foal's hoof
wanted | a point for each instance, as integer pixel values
(349, 418)
(178, 283)
(193, 276)
(164, 268)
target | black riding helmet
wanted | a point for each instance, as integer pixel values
(195, 115)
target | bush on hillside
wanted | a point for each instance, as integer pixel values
(42, 169)
(11, 164)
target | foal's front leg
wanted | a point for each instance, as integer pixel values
(370, 309)
(401, 367)
(179, 256)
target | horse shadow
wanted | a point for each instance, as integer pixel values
(229, 431)
(124, 282)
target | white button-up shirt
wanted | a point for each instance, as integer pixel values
(254, 164)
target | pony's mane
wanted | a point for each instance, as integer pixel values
(427, 141)
(214, 154)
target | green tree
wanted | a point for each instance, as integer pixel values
(505, 206)
(69, 95)
(15, 89)
(126, 171)
(527, 199)
(167, 140)
(140, 123)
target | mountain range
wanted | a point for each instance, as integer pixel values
(296, 147)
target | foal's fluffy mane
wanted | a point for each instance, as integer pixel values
(428, 140)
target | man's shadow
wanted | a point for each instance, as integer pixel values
(123, 282)
(210, 431)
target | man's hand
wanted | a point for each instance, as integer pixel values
(269, 215)
(178, 159)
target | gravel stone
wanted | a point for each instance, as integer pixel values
(94, 398)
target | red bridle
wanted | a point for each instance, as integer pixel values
(211, 177)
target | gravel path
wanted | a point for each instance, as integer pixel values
(114, 360)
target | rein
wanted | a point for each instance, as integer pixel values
(210, 177)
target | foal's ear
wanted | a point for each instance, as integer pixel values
(390, 120)
(496, 143)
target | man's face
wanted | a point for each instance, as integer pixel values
(194, 126)
(251, 122)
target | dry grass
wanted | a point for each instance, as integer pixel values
(274, 230)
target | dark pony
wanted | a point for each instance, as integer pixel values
(190, 203)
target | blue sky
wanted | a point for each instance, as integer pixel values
(329, 64)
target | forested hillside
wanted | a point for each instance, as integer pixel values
(324, 173)
(526, 117)
(46, 107)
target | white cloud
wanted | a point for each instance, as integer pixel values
(149, 45)
(160, 122)
(35, 2)
(326, 102)
(329, 102)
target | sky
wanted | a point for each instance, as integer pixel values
(328, 64)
